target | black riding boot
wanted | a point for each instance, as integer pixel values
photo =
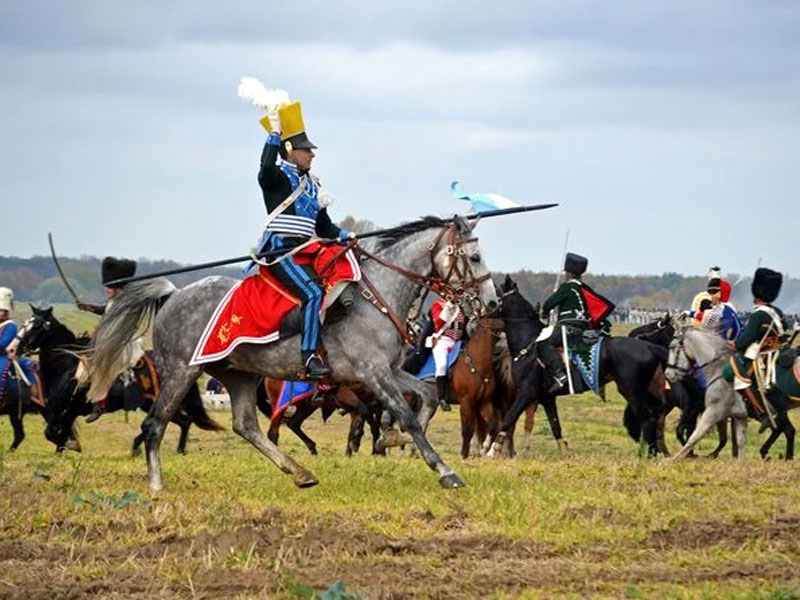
(554, 364)
(441, 392)
(315, 368)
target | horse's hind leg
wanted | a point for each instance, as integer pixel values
(16, 424)
(709, 418)
(176, 381)
(184, 422)
(722, 432)
(242, 389)
(295, 423)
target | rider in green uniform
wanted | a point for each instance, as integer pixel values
(765, 332)
(570, 300)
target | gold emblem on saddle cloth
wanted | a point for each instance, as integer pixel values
(224, 333)
(236, 319)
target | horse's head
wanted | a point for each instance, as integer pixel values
(36, 329)
(514, 305)
(681, 354)
(457, 258)
(659, 332)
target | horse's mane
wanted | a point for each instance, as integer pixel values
(402, 231)
(712, 336)
(502, 361)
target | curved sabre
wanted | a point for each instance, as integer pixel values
(60, 272)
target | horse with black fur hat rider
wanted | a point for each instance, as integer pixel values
(571, 300)
(111, 270)
(752, 367)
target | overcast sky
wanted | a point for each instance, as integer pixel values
(669, 132)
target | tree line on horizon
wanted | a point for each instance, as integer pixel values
(36, 280)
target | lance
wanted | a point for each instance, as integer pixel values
(60, 272)
(274, 254)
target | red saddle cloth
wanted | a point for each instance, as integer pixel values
(252, 310)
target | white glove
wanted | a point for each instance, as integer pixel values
(274, 120)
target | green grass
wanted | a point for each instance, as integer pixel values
(603, 523)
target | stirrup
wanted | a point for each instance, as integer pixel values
(316, 369)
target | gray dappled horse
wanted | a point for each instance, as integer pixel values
(705, 347)
(364, 347)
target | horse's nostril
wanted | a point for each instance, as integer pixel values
(492, 305)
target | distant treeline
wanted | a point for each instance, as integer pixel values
(36, 280)
(667, 291)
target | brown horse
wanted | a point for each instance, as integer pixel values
(472, 384)
(340, 397)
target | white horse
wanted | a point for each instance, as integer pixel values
(706, 348)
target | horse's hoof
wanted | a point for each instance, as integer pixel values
(392, 438)
(451, 481)
(305, 480)
(496, 451)
(73, 445)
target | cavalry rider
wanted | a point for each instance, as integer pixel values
(721, 314)
(704, 300)
(296, 205)
(111, 270)
(11, 366)
(764, 334)
(579, 306)
(449, 325)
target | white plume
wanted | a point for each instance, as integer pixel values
(252, 90)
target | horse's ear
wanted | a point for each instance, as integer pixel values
(537, 308)
(464, 226)
(49, 311)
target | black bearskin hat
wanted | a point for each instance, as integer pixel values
(576, 264)
(766, 284)
(116, 268)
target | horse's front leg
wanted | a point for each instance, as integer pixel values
(710, 417)
(409, 383)
(380, 381)
(523, 399)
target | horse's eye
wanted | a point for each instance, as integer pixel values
(475, 258)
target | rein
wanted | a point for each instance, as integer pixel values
(438, 285)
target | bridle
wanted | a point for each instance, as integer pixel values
(684, 371)
(467, 290)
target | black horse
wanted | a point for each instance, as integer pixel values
(687, 395)
(58, 351)
(634, 365)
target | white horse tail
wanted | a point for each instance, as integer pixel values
(127, 317)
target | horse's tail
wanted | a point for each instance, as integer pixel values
(193, 405)
(130, 313)
(632, 423)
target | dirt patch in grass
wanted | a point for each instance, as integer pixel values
(268, 555)
(700, 534)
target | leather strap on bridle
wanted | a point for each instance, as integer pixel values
(371, 294)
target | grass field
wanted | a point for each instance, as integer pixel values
(604, 523)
